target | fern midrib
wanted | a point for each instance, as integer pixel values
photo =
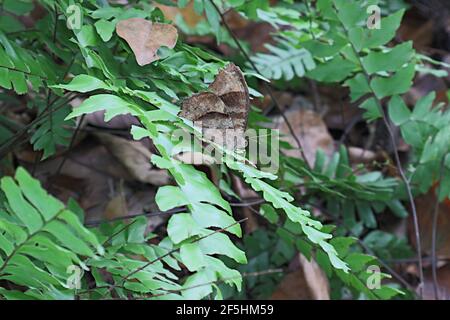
(30, 236)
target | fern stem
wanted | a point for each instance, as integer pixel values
(398, 164)
(434, 234)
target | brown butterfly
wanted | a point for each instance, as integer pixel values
(222, 111)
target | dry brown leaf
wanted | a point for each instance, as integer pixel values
(308, 282)
(244, 192)
(87, 176)
(417, 28)
(92, 176)
(425, 210)
(135, 157)
(316, 279)
(357, 155)
(146, 37)
(443, 284)
(116, 207)
(293, 287)
(188, 13)
(121, 122)
(310, 130)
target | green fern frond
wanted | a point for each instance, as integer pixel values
(39, 240)
(284, 61)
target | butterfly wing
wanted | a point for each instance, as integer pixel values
(223, 111)
(231, 88)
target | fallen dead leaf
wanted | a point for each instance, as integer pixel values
(146, 37)
(416, 28)
(425, 209)
(135, 157)
(244, 192)
(357, 155)
(88, 174)
(124, 121)
(293, 287)
(189, 15)
(316, 279)
(443, 281)
(308, 282)
(98, 182)
(310, 129)
(116, 208)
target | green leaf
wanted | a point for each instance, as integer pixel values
(423, 106)
(357, 261)
(268, 212)
(398, 208)
(61, 232)
(391, 61)
(169, 197)
(83, 83)
(18, 81)
(24, 211)
(358, 86)
(194, 288)
(212, 16)
(192, 256)
(181, 226)
(366, 214)
(105, 29)
(39, 251)
(208, 216)
(284, 61)
(47, 205)
(219, 243)
(19, 7)
(334, 70)
(113, 105)
(350, 13)
(373, 110)
(397, 84)
(398, 111)
(362, 37)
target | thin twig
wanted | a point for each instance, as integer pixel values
(247, 204)
(434, 234)
(130, 216)
(72, 143)
(125, 227)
